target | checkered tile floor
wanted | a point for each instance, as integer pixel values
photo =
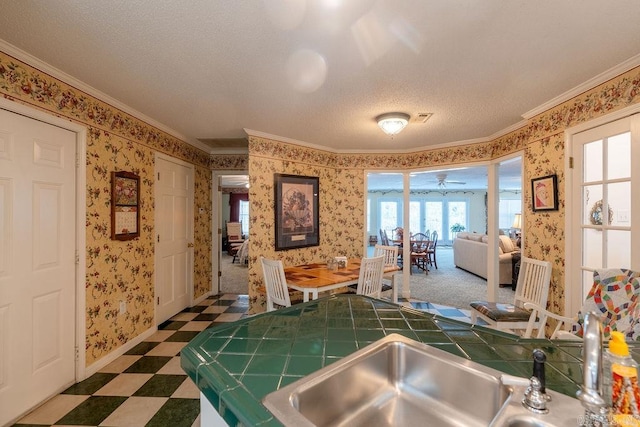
(146, 386)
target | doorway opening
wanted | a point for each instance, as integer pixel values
(231, 257)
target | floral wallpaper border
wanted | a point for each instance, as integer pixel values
(118, 270)
(541, 139)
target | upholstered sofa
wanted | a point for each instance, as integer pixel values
(470, 254)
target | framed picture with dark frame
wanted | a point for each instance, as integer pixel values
(125, 205)
(544, 193)
(297, 211)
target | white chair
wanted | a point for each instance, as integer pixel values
(533, 287)
(390, 254)
(242, 253)
(540, 316)
(275, 283)
(234, 236)
(614, 296)
(370, 278)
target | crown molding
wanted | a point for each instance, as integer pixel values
(506, 131)
(227, 151)
(603, 77)
(74, 82)
(260, 134)
(49, 69)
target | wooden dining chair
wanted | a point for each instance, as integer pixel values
(275, 283)
(384, 240)
(370, 278)
(419, 247)
(431, 250)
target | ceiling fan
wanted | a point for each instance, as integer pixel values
(442, 180)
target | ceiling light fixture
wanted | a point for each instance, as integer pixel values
(392, 123)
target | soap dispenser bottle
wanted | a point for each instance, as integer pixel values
(623, 393)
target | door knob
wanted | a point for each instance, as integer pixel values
(189, 245)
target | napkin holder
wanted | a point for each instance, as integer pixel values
(341, 260)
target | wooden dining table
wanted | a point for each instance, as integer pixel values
(311, 279)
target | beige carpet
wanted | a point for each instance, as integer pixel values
(447, 285)
(234, 279)
(451, 286)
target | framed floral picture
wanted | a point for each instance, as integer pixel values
(544, 193)
(297, 211)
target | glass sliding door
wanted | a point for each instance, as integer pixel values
(457, 211)
(434, 219)
(416, 215)
(384, 204)
(390, 214)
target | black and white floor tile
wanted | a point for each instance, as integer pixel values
(146, 386)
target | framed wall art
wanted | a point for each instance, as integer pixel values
(125, 206)
(297, 211)
(544, 193)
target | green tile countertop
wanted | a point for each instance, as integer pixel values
(237, 364)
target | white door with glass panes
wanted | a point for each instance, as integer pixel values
(605, 231)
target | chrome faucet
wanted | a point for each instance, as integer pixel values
(590, 395)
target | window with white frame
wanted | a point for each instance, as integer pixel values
(243, 216)
(508, 210)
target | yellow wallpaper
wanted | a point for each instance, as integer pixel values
(545, 237)
(341, 220)
(541, 139)
(118, 141)
(117, 270)
(202, 232)
(114, 275)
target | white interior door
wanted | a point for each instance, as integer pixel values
(37, 262)
(605, 208)
(174, 236)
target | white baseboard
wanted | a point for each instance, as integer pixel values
(96, 366)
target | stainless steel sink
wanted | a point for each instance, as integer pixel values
(399, 381)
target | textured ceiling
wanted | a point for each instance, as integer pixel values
(320, 71)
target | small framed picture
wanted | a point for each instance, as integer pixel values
(297, 212)
(544, 193)
(125, 206)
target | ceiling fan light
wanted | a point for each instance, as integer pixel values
(392, 123)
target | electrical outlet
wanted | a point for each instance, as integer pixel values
(123, 307)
